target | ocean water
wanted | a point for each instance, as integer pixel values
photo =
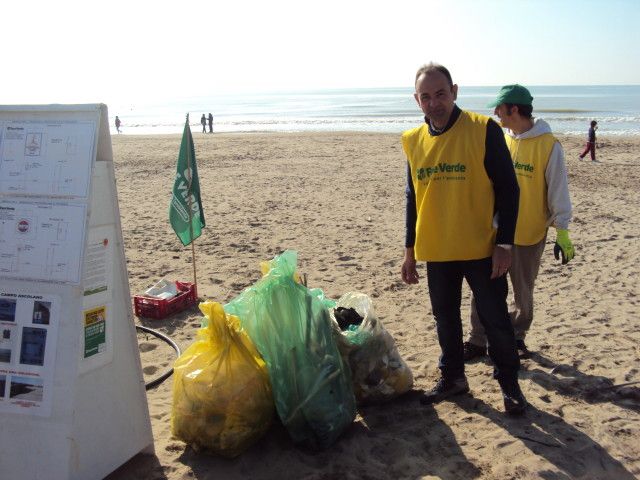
(568, 109)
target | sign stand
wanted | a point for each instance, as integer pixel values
(72, 395)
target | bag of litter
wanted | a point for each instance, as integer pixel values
(222, 399)
(291, 328)
(378, 371)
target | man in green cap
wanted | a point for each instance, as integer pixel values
(539, 164)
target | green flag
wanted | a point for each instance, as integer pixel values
(186, 193)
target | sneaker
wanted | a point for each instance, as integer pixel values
(471, 351)
(445, 388)
(514, 401)
(523, 351)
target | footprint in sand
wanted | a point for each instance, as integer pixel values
(147, 346)
(174, 447)
(631, 374)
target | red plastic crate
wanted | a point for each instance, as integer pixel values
(158, 308)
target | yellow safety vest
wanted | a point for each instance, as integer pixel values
(530, 159)
(454, 196)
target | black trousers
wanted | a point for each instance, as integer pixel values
(445, 291)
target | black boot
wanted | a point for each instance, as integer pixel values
(445, 388)
(523, 351)
(471, 351)
(514, 401)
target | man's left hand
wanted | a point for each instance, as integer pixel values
(563, 246)
(500, 261)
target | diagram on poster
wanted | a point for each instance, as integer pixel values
(28, 338)
(41, 241)
(46, 158)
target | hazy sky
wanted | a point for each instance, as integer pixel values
(69, 51)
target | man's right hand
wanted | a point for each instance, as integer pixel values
(409, 271)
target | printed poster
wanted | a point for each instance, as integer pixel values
(98, 264)
(41, 240)
(29, 326)
(48, 158)
(95, 339)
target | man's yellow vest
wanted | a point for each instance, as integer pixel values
(454, 196)
(530, 159)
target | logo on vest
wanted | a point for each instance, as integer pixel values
(426, 172)
(525, 167)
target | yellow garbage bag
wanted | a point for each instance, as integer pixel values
(222, 399)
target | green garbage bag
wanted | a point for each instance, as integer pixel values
(291, 328)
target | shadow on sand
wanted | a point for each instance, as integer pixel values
(574, 453)
(143, 465)
(569, 381)
(398, 440)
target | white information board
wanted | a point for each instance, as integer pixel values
(72, 396)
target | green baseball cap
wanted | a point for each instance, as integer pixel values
(516, 94)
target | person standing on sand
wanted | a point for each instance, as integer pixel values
(203, 121)
(459, 174)
(538, 160)
(591, 142)
(210, 123)
(118, 123)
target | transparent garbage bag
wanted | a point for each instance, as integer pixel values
(378, 371)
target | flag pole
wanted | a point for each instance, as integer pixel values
(190, 195)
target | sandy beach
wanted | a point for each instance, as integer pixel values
(338, 199)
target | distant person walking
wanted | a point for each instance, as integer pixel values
(203, 121)
(118, 123)
(210, 123)
(591, 142)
